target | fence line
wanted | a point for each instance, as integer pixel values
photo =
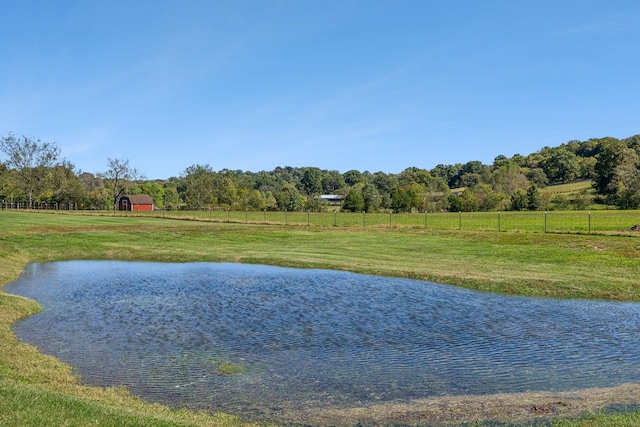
(584, 222)
(550, 222)
(55, 206)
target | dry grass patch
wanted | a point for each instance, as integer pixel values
(519, 408)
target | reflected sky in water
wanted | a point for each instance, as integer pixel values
(314, 338)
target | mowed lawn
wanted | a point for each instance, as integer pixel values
(518, 263)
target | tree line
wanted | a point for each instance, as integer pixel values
(32, 172)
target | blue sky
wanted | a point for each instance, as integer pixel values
(367, 85)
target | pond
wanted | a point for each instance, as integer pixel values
(266, 341)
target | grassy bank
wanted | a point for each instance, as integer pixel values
(35, 388)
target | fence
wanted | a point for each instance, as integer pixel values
(600, 221)
(4, 204)
(603, 222)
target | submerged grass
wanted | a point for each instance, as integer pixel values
(229, 368)
(532, 264)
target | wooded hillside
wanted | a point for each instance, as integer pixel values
(33, 174)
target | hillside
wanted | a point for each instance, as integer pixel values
(573, 175)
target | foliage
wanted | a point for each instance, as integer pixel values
(332, 182)
(610, 163)
(196, 186)
(519, 200)
(480, 197)
(560, 166)
(312, 181)
(534, 201)
(400, 200)
(455, 203)
(118, 176)
(610, 157)
(31, 159)
(354, 202)
(537, 177)
(627, 180)
(352, 177)
(289, 199)
(371, 197)
(507, 179)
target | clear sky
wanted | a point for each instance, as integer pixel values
(337, 84)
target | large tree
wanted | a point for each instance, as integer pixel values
(62, 185)
(612, 155)
(332, 181)
(31, 159)
(627, 180)
(436, 195)
(354, 201)
(153, 189)
(561, 165)
(288, 199)
(352, 177)
(119, 176)
(400, 200)
(312, 181)
(197, 185)
(507, 179)
(371, 197)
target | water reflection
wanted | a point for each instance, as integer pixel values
(263, 340)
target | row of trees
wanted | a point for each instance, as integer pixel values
(32, 172)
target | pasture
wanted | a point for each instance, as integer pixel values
(601, 263)
(585, 222)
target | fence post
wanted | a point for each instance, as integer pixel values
(390, 212)
(364, 221)
(425, 219)
(589, 222)
(498, 221)
(335, 218)
(459, 220)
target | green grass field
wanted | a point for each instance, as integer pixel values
(569, 189)
(35, 388)
(585, 222)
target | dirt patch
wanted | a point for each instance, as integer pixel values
(520, 408)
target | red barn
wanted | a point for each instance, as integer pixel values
(136, 203)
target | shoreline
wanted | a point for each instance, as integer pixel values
(516, 408)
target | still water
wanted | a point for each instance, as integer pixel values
(257, 340)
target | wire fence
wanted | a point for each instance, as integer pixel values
(56, 206)
(583, 222)
(545, 222)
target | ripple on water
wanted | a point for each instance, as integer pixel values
(310, 337)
